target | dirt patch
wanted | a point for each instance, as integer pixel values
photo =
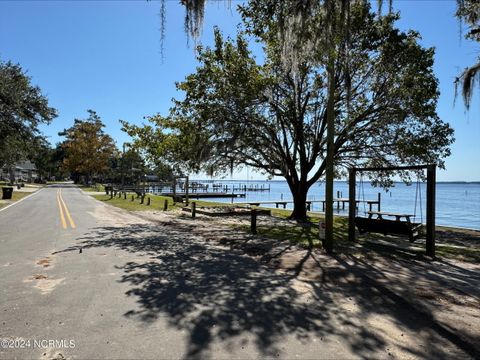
(52, 354)
(114, 216)
(43, 283)
(46, 286)
(44, 262)
(38, 277)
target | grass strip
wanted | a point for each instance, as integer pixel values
(307, 234)
(17, 195)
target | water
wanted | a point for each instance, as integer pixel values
(457, 204)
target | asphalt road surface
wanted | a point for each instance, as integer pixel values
(83, 280)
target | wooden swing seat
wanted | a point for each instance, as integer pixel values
(385, 226)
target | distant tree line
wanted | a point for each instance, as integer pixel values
(87, 154)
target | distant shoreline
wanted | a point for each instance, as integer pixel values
(395, 182)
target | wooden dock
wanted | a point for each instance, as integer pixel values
(204, 195)
(340, 203)
(240, 187)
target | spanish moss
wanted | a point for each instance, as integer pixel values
(194, 15)
(163, 21)
(468, 11)
(468, 79)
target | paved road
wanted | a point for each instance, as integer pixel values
(117, 298)
(105, 283)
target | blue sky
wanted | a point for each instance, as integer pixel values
(105, 56)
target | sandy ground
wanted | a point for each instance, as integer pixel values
(445, 293)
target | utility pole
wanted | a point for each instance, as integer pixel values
(123, 166)
(329, 161)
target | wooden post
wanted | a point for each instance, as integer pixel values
(351, 204)
(194, 209)
(165, 205)
(174, 188)
(124, 196)
(133, 197)
(379, 201)
(142, 199)
(111, 194)
(186, 191)
(253, 222)
(431, 184)
(148, 201)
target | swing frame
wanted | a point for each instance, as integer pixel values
(430, 219)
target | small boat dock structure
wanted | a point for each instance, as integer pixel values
(197, 195)
(239, 187)
(195, 186)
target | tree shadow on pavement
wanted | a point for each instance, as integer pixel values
(222, 296)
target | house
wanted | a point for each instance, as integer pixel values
(24, 171)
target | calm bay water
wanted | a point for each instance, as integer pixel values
(458, 204)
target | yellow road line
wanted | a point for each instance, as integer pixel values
(62, 217)
(70, 220)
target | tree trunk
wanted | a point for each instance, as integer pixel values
(299, 193)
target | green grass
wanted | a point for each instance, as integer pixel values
(306, 234)
(464, 254)
(156, 202)
(15, 197)
(368, 244)
(93, 188)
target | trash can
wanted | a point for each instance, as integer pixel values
(7, 192)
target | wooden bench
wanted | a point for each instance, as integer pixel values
(387, 226)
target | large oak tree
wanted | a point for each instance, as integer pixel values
(239, 111)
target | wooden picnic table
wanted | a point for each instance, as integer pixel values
(397, 216)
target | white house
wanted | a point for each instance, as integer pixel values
(24, 171)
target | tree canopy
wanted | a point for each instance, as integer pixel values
(22, 108)
(88, 150)
(237, 111)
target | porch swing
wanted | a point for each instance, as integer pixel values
(393, 226)
(369, 224)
